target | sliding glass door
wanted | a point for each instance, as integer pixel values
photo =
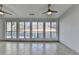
(13, 29)
(34, 29)
(31, 30)
(40, 29)
(8, 29)
(21, 30)
(47, 29)
(27, 29)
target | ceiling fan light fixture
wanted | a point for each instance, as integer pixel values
(1, 13)
(49, 13)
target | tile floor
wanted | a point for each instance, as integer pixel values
(34, 48)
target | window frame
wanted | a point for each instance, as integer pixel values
(35, 20)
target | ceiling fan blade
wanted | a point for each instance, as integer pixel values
(54, 11)
(44, 12)
(5, 12)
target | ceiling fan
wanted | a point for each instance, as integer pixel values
(2, 11)
(49, 11)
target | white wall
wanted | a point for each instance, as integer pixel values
(1, 29)
(69, 28)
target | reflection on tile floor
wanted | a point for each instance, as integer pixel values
(34, 48)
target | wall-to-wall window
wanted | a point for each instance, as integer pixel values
(31, 30)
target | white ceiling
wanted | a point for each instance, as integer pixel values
(23, 10)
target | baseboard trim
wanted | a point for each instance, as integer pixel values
(27, 41)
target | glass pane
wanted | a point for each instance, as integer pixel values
(27, 29)
(53, 30)
(40, 29)
(34, 29)
(21, 29)
(8, 30)
(13, 29)
(47, 30)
